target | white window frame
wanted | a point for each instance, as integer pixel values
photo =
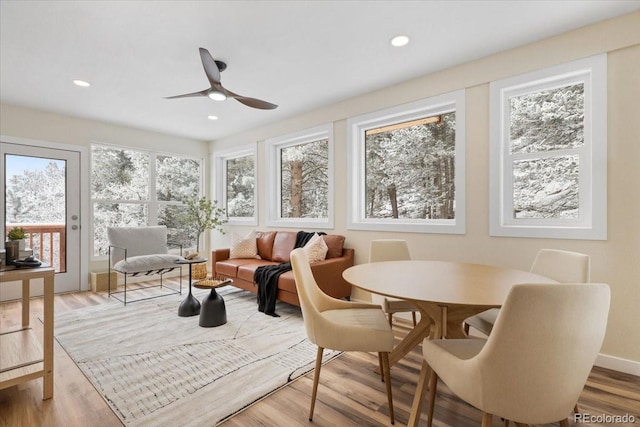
(274, 147)
(357, 126)
(592, 221)
(220, 159)
(152, 203)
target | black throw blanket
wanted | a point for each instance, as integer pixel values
(266, 278)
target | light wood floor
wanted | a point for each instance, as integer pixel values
(350, 393)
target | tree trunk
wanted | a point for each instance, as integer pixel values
(372, 203)
(393, 197)
(451, 187)
(296, 188)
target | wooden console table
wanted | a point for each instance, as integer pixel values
(21, 356)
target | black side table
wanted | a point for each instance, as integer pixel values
(213, 311)
(190, 306)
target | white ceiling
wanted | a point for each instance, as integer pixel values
(300, 55)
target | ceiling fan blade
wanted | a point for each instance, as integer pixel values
(256, 103)
(251, 102)
(210, 66)
(187, 95)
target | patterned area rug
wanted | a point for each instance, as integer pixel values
(156, 368)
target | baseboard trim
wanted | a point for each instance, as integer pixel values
(618, 364)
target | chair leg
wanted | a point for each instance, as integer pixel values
(416, 407)
(381, 367)
(506, 423)
(390, 316)
(387, 379)
(486, 419)
(433, 384)
(316, 377)
(576, 409)
(564, 423)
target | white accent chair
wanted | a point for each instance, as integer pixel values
(340, 325)
(391, 250)
(562, 266)
(533, 366)
(135, 251)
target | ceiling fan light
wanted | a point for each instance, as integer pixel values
(217, 96)
(212, 117)
(81, 83)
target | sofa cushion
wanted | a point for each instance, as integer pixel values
(335, 243)
(283, 245)
(244, 247)
(144, 263)
(229, 267)
(316, 248)
(287, 282)
(245, 272)
(264, 241)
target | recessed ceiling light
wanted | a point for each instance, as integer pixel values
(212, 117)
(399, 41)
(81, 83)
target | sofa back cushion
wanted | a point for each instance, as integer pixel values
(265, 244)
(277, 245)
(283, 245)
(335, 243)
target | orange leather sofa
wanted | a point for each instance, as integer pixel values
(274, 247)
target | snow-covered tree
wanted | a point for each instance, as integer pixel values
(240, 187)
(37, 196)
(305, 180)
(410, 171)
(545, 122)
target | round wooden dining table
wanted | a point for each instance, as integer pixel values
(445, 293)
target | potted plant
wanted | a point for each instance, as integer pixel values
(18, 234)
(201, 215)
(14, 244)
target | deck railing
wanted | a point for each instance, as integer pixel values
(49, 243)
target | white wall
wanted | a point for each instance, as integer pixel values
(614, 261)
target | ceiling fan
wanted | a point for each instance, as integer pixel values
(217, 92)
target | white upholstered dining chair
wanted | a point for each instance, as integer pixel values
(391, 250)
(341, 325)
(561, 266)
(532, 368)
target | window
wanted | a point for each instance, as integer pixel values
(407, 167)
(236, 190)
(131, 188)
(301, 179)
(548, 152)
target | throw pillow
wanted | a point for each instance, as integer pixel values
(244, 247)
(316, 249)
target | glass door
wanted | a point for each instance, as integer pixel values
(41, 196)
